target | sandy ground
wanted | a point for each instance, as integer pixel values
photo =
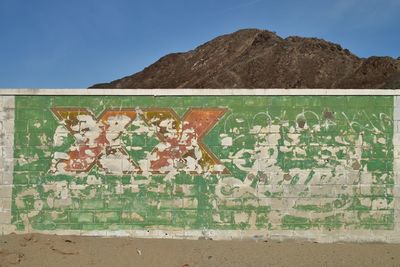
(50, 250)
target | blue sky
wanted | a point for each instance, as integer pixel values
(76, 43)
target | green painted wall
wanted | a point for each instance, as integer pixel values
(266, 162)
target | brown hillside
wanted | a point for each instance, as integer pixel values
(254, 58)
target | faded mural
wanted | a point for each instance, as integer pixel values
(196, 162)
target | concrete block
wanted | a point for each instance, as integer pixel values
(5, 217)
(5, 191)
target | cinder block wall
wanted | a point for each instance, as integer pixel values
(223, 164)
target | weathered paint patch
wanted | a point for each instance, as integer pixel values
(265, 162)
(182, 147)
(96, 141)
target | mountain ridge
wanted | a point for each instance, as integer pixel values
(253, 58)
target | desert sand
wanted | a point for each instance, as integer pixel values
(51, 250)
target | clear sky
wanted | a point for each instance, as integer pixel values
(76, 43)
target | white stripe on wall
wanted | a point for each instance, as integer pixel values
(7, 111)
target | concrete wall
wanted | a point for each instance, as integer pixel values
(309, 164)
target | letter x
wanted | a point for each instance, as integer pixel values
(182, 146)
(96, 140)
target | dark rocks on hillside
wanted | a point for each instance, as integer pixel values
(254, 58)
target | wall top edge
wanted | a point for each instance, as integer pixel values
(197, 92)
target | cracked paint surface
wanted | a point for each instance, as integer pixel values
(182, 147)
(195, 162)
(96, 140)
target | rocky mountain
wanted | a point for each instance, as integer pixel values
(253, 58)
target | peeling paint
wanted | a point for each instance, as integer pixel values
(279, 163)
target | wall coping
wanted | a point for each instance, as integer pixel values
(200, 92)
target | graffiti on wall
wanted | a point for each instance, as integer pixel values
(203, 163)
